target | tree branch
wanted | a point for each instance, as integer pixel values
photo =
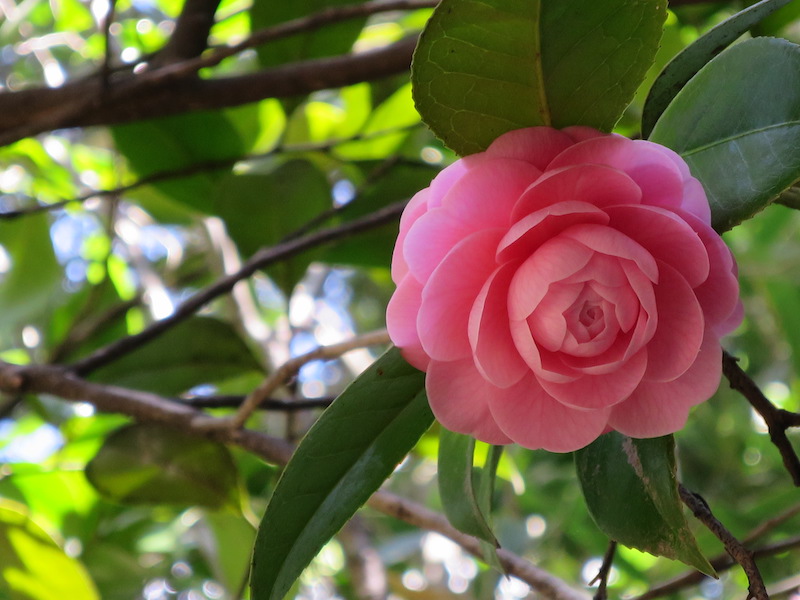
(190, 37)
(146, 407)
(777, 419)
(734, 547)
(149, 95)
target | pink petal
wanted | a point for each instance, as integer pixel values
(448, 176)
(695, 200)
(533, 230)
(459, 398)
(677, 339)
(530, 417)
(580, 132)
(555, 260)
(496, 356)
(654, 172)
(416, 207)
(547, 322)
(600, 391)
(659, 408)
(448, 296)
(647, 319)
(432, 236)
(719, 294)
(598, 185)
(611, 242)
(484, 196)
(535, 145)
(401, 321)
(666, 236)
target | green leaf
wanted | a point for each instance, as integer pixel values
(457, 486)
(32, 286)
(631, 490)
(199, 350)
(33, 566)
(333, 38)
(261, 209)
(486, 67)
(692, 58)
(354, 446)
(173, 143)
(746, 150)
(156, 464)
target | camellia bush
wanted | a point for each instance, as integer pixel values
(399, 299)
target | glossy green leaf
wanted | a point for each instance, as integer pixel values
(33, 566)
(631, 490)
(155, 464)
(348, 453)
(457, 486)
(691, 59)
(746, 150)
(484, 68)
(199, 350)
(333, 38)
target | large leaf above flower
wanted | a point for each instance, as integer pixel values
(484, 68)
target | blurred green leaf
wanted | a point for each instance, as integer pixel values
(199, 350)
(333, 38)
(155, 464)
(33, 283)
(484, 68)
(179, 142)
(354, 446)
(746, 150)
(261, 209)
(691, 59)
(631, 490)
(33, 566)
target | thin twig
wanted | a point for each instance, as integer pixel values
(287, 371)
(268, 404)
(147, 407)
(778, 420)
(329, 16)
(213, 165)
(734, 547)
(261, 259)
(604, 572)
(721, 562)
(105, 72)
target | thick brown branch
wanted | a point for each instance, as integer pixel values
(777, 419)
(148, 407)
(190, 37)
(734, 547)
(148, 95)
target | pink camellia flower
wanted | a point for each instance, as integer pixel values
(562, 284)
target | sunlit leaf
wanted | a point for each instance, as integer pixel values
(343, 459)
(155, 464)
(33, 566)
(746, 150)
(484, 68)
(692, 58)
(631, 489)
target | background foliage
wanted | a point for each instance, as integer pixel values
(128, 184)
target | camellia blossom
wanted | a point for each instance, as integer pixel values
(562, 284)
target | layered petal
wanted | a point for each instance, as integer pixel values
(532, 418)
(459, 397)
